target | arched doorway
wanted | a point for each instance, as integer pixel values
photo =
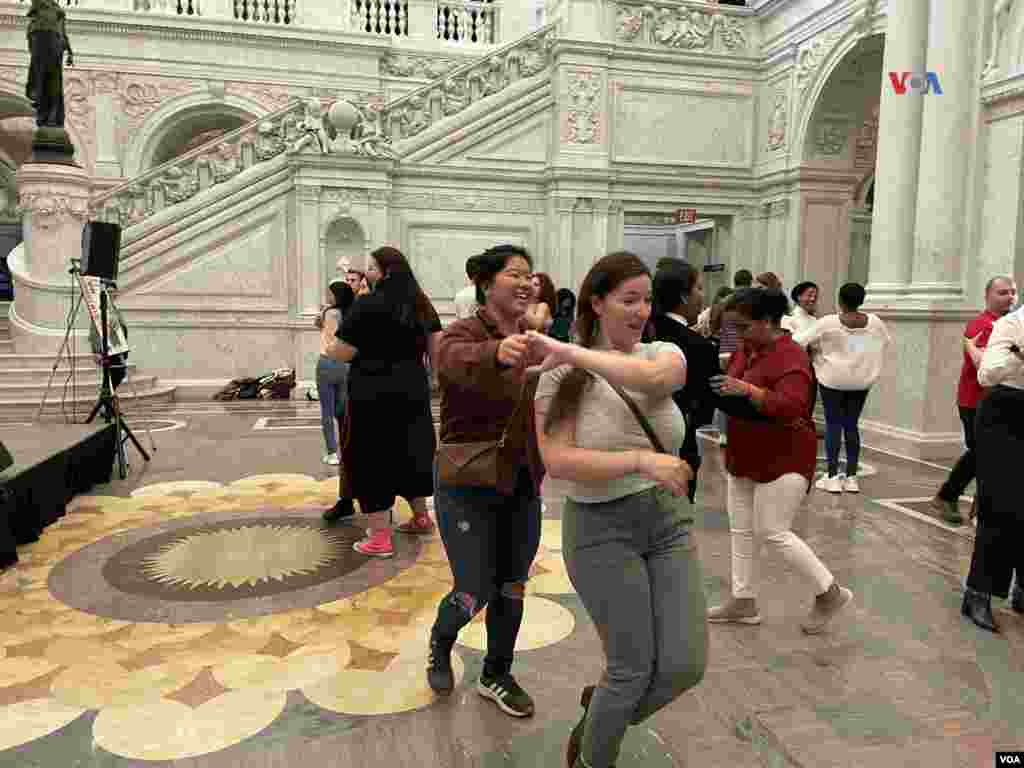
(838, 161)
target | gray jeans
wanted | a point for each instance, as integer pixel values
(332, 386)
(636, 569)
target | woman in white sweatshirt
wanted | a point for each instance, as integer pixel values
(850, 350)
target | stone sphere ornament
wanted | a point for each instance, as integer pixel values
(343, 117)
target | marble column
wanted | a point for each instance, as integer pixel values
(947, 134)
(899, 152)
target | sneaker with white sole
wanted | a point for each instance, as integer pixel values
(735, 610)
(504, 691)
(826, 607)
(850, 485)
(831, 484)
(332, 459)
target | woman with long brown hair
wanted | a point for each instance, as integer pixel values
(625, 527)
(391, 441)
(540, 313)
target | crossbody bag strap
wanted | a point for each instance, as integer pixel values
(644, 423)
(515, 414)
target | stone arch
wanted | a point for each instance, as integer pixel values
(846, 43)
(179, 119)
(342, 236)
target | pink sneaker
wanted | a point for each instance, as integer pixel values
(418, 525)
(376, 544)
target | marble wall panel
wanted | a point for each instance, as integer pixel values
(671, 126)
(438, 251)
(1002, 244)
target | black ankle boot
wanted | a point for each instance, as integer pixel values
(343, 508)
(440, 676)
(576, 737)
(978, 608)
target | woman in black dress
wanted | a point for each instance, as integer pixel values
(391, 432)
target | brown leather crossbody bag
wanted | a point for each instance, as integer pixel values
(476, 465)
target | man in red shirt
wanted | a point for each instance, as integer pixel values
(1000, 296)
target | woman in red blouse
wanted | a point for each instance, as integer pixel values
(770, 457)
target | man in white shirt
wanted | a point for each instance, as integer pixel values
(465, 299)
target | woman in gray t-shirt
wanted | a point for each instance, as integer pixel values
(625, 531)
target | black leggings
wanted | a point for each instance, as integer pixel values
(491, 541)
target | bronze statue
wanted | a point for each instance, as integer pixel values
(47, 41)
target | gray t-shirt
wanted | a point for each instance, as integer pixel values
(605, 423)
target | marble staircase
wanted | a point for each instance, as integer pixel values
(23, 380)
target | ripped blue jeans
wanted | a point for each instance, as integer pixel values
(491, 541)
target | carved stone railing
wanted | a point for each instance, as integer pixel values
(381, 17)
(465, 85)
(264, 11)
(308, 126)
(469, 21)
(684, 25)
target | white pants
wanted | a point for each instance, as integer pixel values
(765, 511)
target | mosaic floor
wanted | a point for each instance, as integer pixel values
(199, 613)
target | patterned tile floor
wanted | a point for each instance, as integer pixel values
(198, 614)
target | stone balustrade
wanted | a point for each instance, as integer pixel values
(467, 84)
(309, 126)
(451, 22)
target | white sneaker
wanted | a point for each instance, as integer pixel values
(830, 484)
(850, 485)
(332, 459)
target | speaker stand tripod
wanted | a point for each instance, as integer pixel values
(108, 403)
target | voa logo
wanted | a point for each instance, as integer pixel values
(1009, 760)
(915, 82)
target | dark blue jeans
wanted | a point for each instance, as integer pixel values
(332, 387)
(842, 414)
(491, 541)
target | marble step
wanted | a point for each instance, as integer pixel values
(88, 373)
(6, 346)
(87, 385)
(10, 361)
(23, 409)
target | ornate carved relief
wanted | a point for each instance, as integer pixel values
(778, 121)
(831, 136)
(47, 209)
(811, 56)
(428, 67)
(78, 107)
(583, 117)
(681, 27)
(777, 208)
(465, 84)
(867, 142)
(271, 97)
(142, 95)
(307, 193)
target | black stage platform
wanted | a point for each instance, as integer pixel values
(52, 463)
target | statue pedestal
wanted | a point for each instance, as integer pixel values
(52, 145)
(53, 199)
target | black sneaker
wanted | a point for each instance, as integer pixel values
(506, 693)
(343, 508)
(440, 676)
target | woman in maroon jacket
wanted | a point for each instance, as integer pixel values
(770, 457)
(491, 535)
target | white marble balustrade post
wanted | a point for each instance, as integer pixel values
(948, 132)
(899, 151)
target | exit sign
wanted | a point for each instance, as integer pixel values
(685, 216)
